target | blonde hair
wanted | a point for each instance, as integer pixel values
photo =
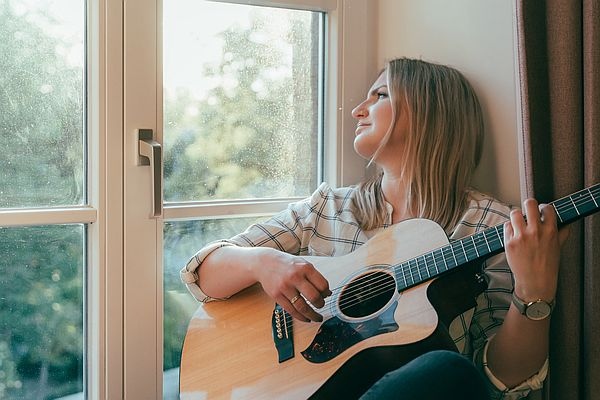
(442, 148)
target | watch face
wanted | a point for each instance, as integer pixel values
(538, 310)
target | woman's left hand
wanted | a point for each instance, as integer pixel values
(533, 250)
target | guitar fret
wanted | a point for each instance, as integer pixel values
(592, 196)
(500, 238)
(453, 256)
(495, 240)
(464, 251)
(574, 205)
(444, 259)
(436, 258)
(475, 247)
(460, 251)
(480, 242)
(423, 269)
(558, 214)
(459, 256)
(418, 270)
(428, 266)
(414, 280)
(404, 275)
(486, 242)
(435, 263)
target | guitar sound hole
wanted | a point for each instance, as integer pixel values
(367, 294)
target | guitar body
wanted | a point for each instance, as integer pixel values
(229, 349)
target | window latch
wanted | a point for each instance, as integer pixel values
(150, 153)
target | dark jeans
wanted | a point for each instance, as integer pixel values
(439, 375)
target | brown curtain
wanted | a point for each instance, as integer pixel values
(559, 63)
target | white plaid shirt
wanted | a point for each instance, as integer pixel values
(324, 225)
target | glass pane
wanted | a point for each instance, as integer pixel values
(41, 311)
(41, 98)
(241, 101)
(181, 240)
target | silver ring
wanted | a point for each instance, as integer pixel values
(294, 299)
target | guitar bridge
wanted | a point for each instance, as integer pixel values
(283, 333)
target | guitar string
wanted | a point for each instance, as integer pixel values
(568, 203)
(420, 269)
(381, 289)
(410, 269)
(469, 245)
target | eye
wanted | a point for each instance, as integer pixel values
(382, 95)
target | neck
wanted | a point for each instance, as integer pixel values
(395, 192)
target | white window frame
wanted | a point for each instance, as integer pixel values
(105, 353)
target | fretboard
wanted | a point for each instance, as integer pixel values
(487, 242)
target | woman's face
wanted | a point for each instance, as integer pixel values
(374, 118)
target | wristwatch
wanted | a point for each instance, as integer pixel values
(536, 310)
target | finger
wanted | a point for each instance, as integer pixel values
(315, 288)
(517, 222)
(318, 281)
(547, 214)
(310, 293)
(299, 307)
(286, 303)
(532, 211)
(306, 310)
(508, 231)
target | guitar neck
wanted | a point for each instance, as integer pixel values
(488, 242)
(578, 205)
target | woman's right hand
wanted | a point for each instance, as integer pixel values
(293, 283)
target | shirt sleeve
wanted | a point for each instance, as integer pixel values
(501, 392)
(284, 231)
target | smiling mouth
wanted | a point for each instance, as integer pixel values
(358, 126)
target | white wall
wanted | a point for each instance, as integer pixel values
(476, 37)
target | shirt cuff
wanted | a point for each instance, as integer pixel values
(189, 273)
(535, 382)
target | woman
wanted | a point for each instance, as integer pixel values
(422, 126)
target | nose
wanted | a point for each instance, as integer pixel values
(360, 111)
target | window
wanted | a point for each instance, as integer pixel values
(43, 199)
(84, 275)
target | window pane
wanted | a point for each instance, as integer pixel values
(241, 101)
(41, 98)
(41, 311)
(181, 240)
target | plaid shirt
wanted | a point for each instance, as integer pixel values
(324, 225)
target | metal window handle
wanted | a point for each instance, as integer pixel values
(150, 152)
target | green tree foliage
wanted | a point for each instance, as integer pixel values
(41, 311)
(254, 130)
(41, 117)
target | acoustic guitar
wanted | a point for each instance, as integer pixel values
(248, 347)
